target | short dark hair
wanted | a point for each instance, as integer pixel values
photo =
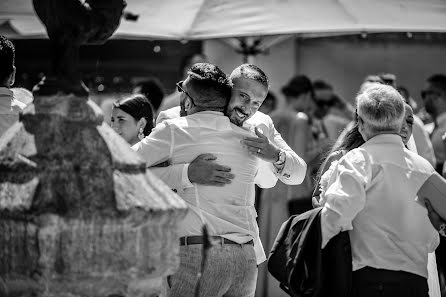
(153, 90)
(250, 71)
(299, 84)
(388, 78)
(210, 83)
(404, 93)
(7, 57)
(138, 106)
(321, 85)
(373, 78)
(439, 80)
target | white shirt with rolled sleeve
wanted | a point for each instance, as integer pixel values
(292, 173)
(371, 192)
(228, 211)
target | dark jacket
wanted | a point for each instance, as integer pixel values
(300, 265)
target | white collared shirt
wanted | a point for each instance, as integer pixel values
(228, 211)
(372, 193)
(9, 109)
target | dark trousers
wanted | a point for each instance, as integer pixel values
(371, 282)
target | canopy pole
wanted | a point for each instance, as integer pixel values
(250, 47)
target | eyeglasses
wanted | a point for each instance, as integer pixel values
(181, 90)
(426, 93)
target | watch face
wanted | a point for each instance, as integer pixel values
(281, 157)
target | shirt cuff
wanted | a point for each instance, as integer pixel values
(185, 182)
(280, 167)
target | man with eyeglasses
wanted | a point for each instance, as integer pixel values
(228, 212)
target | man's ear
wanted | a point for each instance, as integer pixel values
(12, 76)
(361, 127)
(188, 104)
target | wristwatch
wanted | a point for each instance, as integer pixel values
(281, 160)
(442, 230)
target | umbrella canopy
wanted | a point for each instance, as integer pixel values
(207, 19)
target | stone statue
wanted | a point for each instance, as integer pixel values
(79, 213)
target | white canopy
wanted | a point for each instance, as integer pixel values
(206, 19)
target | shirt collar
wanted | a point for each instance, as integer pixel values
(209, 112)
(6, 91)
(386, 138)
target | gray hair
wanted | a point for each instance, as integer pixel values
(381, 107)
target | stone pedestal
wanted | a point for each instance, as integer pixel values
(79, 213)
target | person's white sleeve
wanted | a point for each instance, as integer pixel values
(345, 194)
(423, 142)
(175, 176)
(295, 168)
(156, 147)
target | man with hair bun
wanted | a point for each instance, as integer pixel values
(371, 193)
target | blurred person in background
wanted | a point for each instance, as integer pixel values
(406, 95)
(153, 90)
(10, 107)
(173, 99)
(388, 79)
(420, 135)
(434, 98)
(332, 111)
(269, 104)
(132, 118)
(276, 204)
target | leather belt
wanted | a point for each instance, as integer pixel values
(199, 240)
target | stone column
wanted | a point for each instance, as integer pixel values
(79, 213)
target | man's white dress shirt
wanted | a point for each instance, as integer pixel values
(372, 192)
(228, 211)
(293, 172)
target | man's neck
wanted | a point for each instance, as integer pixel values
(371, 135)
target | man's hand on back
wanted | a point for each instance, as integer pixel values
(204, 170)
(261, 147)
